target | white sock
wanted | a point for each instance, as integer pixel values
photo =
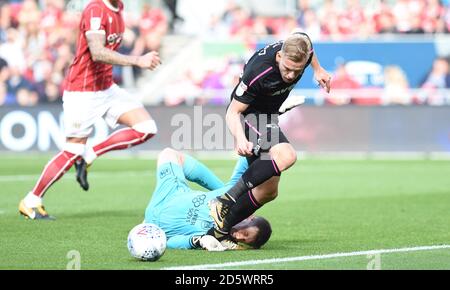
(89, 155)
(32, 200)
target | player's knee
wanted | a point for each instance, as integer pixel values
(268, 196)
(285, 156)
(167, 152)
(291, 157)
(168, 155)
(146, 127)
(273, 195)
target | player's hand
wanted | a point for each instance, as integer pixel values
(244, 147)
(211, 244)
(323, 78)
(149, 60)
(230, 245)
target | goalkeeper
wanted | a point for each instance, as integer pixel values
(183, 213)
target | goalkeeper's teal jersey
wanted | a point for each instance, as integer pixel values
(180, 211)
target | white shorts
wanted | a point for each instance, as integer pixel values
(83, 109)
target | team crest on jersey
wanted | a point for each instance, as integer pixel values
(96, 23)
(283, 90)
(241, 89)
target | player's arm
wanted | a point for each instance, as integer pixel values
(320, 74)
(100, 53)
(233, 119)
(206, 242)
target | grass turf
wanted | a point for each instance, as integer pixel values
(323, 207)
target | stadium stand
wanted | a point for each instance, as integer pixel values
(37, 41)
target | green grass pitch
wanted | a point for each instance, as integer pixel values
(324, 207)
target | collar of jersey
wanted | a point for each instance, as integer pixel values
(109, 5)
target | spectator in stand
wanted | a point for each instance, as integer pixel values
(384, 20)
(20, 87)
(436, 81)
(439, 76)
(311, 25)
(172, 6)
(441, 27)
(6, 98)
(12, 50)
(153, 26)
(260, 29)
(415, 26)
(302, 7)
(396, 86)
(5, 20)
(26, 97)
(343, 85)
(352, 18)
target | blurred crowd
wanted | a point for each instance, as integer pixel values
(396, 89)
(38, 38)
(326, 20)
(37, 45)
(338, 20)
(213, 84)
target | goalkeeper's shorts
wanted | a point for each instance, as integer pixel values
(264, 133)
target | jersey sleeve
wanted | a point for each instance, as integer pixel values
(94, 20)
(182, 242)
(250, 83)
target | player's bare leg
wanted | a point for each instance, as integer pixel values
(170, 155)
(140, 128)
(31, 206)
(267, 191)
(284, 155)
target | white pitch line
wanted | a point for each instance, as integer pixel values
(305, 258)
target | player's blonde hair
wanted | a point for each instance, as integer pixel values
(297, 47)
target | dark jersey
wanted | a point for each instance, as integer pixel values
(261, 85)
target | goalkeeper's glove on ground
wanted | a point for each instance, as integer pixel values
(208, 243)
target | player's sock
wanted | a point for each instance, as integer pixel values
(123, 139)
(258, 172)
(197, 172)
(245, 206)
(56, 168)
(32, 201)
(89, 155)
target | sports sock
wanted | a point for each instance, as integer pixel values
(197, 172)
(32, 200)
(121, 139)
(258, 172)
(53, 171)
(245, 206)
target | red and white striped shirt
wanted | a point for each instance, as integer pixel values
(84, 74)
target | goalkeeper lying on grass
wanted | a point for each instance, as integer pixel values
(183, 213)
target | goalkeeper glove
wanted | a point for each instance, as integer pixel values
(208, 243)
(291, 102)
(231, 245)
